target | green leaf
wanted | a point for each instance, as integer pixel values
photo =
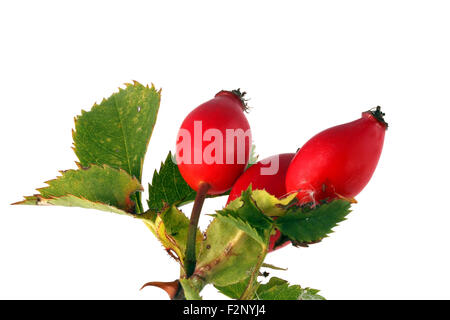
(245, 211)
(305, 225)
(279, 289)
(251, 211)
(171, 228)
(235, 290)
(227, 255)
(275, 289)
(236, 242)
(258, 235)
(168, 187)
(270, 205)
(102, 188)
(117, 131)
(310, 294)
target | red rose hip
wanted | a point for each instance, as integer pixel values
(214, 142)
(213, 149)
(339, 161)
(270, 175)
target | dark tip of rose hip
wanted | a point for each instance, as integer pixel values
(240, 95)
(379, 115)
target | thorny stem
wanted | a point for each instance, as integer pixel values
(190, 257)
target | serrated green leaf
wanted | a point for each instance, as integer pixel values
(246, 209)
(235, 290)
(258, 235)
(270, 205)
(310, 294)
(171, 228)
(103, 188)
(117, 131)
(244, 214)
(305, 225)
(168, 187)
(275, 289)
(72, 201)
(279, 289)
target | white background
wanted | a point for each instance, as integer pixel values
(306, 65)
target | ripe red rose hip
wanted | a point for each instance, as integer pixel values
(270, 175)
(214, 143)
(339, 161)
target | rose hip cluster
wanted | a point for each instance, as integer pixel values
(336, 163)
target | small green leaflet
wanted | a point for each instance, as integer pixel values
(310, 294)
(256, 234)
(279, 289)
(235, 290)
(244, 214)
(251, 211)
(275, 289)
(171, 228)
(270, 205)
(168, 187)
(305, 225)
(103, 188)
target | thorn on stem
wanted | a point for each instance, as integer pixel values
(171, 288)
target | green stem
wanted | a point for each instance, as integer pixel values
(249, 291)
(251, 287)
(139, 204)
(190, 257)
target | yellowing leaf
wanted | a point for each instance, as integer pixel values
(171, 228)
(102, 188)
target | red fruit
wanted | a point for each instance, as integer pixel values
(214, 143)
(274, 183)
(339, 161)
